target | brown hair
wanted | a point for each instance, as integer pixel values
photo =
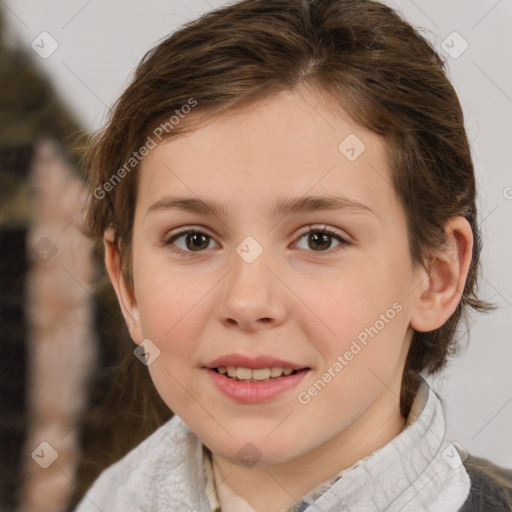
(383, 73)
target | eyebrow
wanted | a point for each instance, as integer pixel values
(282, 207)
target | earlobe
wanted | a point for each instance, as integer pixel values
(443, 285)
(125, 295)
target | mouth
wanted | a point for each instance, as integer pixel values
(254, 379)
(266, 374)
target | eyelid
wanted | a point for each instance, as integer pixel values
(187, 229)
(325, 228)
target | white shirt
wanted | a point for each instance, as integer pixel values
(419, 470)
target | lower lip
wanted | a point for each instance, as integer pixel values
(254, 392)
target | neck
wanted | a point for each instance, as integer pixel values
(273, 488)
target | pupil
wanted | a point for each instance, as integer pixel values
(320, 238)
(195, 239)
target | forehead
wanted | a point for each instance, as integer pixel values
(290, 145)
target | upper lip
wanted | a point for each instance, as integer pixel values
(261, 361)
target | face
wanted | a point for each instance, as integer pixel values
(325, 288)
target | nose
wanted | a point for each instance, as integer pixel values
(253, 297)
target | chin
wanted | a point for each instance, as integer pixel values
(254, 453)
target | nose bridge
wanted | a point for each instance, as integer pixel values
(252, 295)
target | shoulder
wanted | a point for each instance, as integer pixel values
(123, 485)
(491, 486)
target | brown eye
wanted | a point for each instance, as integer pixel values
(196, 241)
(188, 241)
(320, 240)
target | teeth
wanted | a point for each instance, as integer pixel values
(243, 373)
(275, 371)
(256, 374)
(260, 373)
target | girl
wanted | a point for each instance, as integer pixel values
(287, 201)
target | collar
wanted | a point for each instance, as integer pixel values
(417, 470)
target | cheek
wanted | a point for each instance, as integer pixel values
(364, 320)
(165, 293)
(364, 353)
(173, 317)
(345, 305)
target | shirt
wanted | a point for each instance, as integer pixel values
(419, 470)
(308, 499)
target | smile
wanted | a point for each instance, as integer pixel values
(254, 374)
(255, 385)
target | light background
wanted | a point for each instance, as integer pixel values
(100, 43)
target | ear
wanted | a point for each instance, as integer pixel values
(124, 293)
(443, 282)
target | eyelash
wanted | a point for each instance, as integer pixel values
(169, 242)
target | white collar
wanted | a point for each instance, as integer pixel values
(417, 471)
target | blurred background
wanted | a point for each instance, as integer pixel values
(63, 415)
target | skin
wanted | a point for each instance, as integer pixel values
(287, 303)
